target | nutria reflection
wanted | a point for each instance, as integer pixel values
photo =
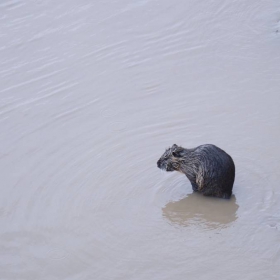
(199, 210)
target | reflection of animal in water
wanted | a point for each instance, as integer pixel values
(196, 209)
(210, 170)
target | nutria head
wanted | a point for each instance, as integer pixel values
(171, 160)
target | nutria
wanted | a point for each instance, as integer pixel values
(210, 170)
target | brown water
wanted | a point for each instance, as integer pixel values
(91, 94)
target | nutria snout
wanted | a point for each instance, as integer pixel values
(210, 170)
(158, 163)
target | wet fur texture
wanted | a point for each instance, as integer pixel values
(210, 170)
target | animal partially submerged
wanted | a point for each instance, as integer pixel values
(210, 170)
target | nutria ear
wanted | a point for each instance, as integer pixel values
(176, 154)
(176, 151)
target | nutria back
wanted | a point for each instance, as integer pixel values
(210, 170)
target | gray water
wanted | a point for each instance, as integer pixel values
(91, 94)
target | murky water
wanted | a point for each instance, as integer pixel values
(91, 94)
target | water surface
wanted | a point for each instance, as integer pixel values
(91, 94)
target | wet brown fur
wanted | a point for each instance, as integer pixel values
(210, 170)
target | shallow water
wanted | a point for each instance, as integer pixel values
(92, 93)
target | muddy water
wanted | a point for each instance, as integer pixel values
(91, 94)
